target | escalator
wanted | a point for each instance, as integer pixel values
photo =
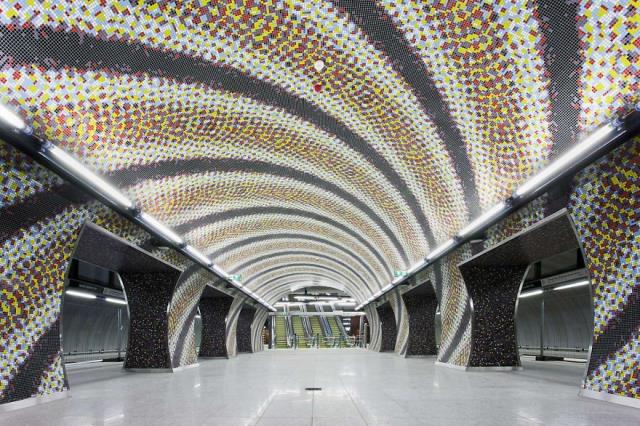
(281, 340)
(299, 331)
(316, 328)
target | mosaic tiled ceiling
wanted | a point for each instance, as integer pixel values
(319, 142)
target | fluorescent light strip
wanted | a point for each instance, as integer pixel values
(565, 160)
(530, 293)
(572, 285)
(80, 294)
(417, 266)
(116, 301)
(161, 228)
(441, 249)
(11, 118)
(218, 270)
(108, 191)
(198, 255)
(477, 224)
(553, 170)
(78, 170)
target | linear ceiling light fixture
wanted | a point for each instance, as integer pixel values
(441, 249)
(14, 130)
(82, 294)
(530, 293)
(160, 228)
(598, 143)
(196, 254)
(77, 169)
(553, 170)
(572, 285)
(11, 118)
(481, 221)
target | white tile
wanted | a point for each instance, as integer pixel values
(284, 421)
(338, 421)
(324, 406)
(268, 388)
(285, 408)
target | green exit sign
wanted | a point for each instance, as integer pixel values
(236, 277)
(399, 273)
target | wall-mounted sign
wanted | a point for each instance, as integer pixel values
(566, 277)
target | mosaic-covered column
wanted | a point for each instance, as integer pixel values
(605, 209)
(375, 328)
(214, 312)
(243, 329)
(182, 314)
(388, 327)
(148, 296)
(421, 309)
(493, 291)
(260, 318)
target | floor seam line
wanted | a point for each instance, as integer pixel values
(354, 403)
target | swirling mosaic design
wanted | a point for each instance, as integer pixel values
(216, 119)
(605, 210)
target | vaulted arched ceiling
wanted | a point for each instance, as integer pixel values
(216, 118)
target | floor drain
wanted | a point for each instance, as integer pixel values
(313, 389)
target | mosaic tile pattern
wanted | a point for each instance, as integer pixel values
(604, 207)
(182, 312)
(388, 326)
(402, 321)
(148, 296)
(243, 329)
(258, 323)
(455, 309)
(375, 328)
(494, 291)
(214, 312)
(421, 309)
(421, 117)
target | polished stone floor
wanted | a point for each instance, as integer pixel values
(358, 387)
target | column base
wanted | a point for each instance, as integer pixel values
(34, 400)
(608, 397)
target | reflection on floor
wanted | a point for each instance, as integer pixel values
(358, 387)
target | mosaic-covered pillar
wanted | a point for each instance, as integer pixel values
(148, 296)
(605, 209)
(243, 329)
(455, 309)
(182, 314)
(375, 328)
(388, 327)
(493, 291)
(402, 321)
(214, 312)
(260, 318)
(232, 325)
(421, 310)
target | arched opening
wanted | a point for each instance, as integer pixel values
(316, 317)
(95, 316)
(555, 314)
(530, 289)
